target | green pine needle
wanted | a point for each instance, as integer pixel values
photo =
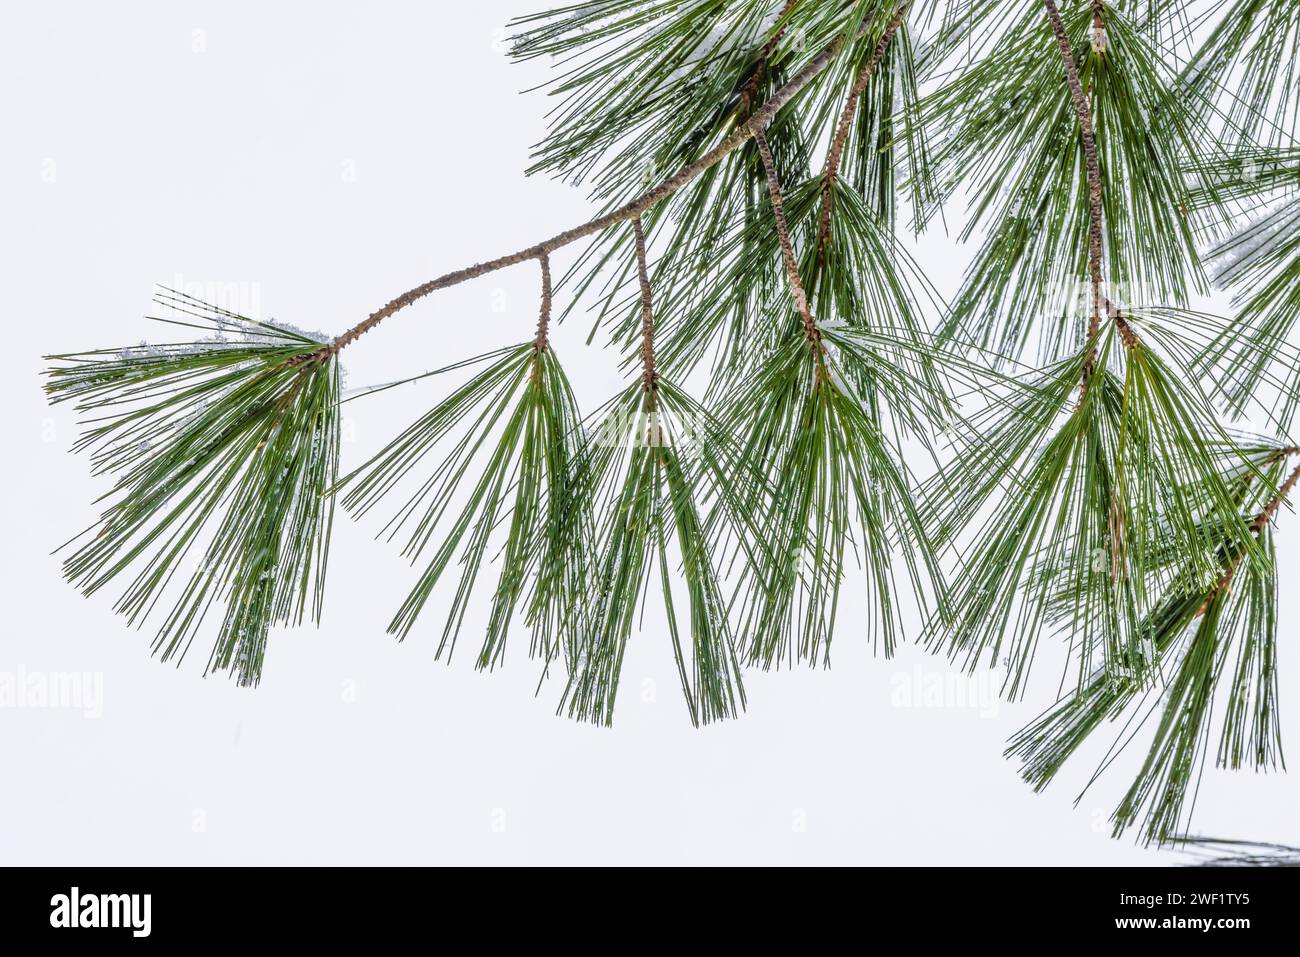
(222, 450)
(1192, 632)
(515, 459)
(1008, 133)
(1260, 259)
(654, 457)
(1247, 66)
(1075, 505)
(839, 483)
(1216, 852)
(1097, 499)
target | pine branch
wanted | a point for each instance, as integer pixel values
(787, 247)
(648, 374)
(746, 130)
(1215, 852)
(836, 153)
(751, 88)
(223, 447)
(1260, 522)
(1084, 510)
(1193, 626)
(651, 500)
(542, 339)
(1127, 519)
(1007, 129)
(517, 454)
(1084, 111)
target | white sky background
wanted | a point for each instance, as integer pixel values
(316, 159)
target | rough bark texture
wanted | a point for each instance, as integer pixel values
(542, 341)
(751, 88)
(836, 152)
(1271, 509)
(1084, 110)
(1260, 523)
(648, 374)
(783, 237)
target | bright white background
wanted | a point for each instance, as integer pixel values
(308, 161)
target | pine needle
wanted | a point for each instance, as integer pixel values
(1192, 631)
(1083, 501)
(1008, 133)
(653, 458)
(516, 455)
(839, 483)
(223, 450)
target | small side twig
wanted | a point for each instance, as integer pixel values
(1126, 333)
(542, 340)
(787, 247)
(1261, 522)
(649, 377)
(750, 92)
(836, 153)
(1271, 509)
(1084, 111)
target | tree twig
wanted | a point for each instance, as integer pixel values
(836, 152)
(1084, 111)
(756, 77)
(648, 375)
(542, 339)
(783, 237)
(1275, 503)
(631, 210)
(1261, 522)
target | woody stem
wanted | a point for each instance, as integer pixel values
(648, 375)
(542, 339)
(836, 153)
(746, 130)
(783, 237)
(1084, 111)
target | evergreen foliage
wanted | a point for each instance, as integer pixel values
(1049, 457)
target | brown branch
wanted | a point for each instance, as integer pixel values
(755, 78)
(1260, 523)
(1099, 41)
(836, 153)
(742, 134)
(1275, 503)
(783, 237)
(1126, 333)
(1084, 111)
(542, 341)
(649, 377)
